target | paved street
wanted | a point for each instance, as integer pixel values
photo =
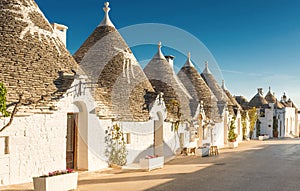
(270, 165)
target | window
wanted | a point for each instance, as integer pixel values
(262, 113)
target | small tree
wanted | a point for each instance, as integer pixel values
(231, 135)
(252, 113)
(258, 127)
(116, 149)
(244, 123)
(3, 109)
(3, 92)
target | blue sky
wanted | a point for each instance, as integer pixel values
(255, 43)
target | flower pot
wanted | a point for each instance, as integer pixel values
(152, 163)
(233, 145)
(202, 151)
(263, 137)
(61, 182)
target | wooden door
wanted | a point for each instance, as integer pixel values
(71, 140)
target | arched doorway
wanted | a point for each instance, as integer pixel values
(159, 135)
(77, 137)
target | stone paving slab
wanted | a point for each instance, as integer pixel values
(254, 165)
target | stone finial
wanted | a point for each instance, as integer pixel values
(260, 91)
(106, 20)
(206, 70)
(223, 84)
(188, 62)
(284, 97)
(106, 8)
(159, 45)
(159, 54)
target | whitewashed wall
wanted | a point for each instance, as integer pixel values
(37, 142)
(218, 135)
(35, 145)
(266, 126)
(289, 121)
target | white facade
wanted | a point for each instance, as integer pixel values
(286, 121)
(36, 144)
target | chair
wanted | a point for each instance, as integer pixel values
(213, 150)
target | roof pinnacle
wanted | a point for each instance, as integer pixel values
(206, 70)
(106, 20)
(106, 8)
(159, 54)
(223, 85)
(189, 62)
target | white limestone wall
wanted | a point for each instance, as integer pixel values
(218, 135)
(142, 135)
(35, 145)
(172, 138)
(239, 128)
(266, 125)
(141, 139)
(290, 128)
(91, 129)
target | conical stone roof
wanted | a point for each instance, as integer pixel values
(33, 60)
(242, 101)
(213, 85)
(121, 87)
(164, 79)
(233, 105)
(199, 91)
(223, 100)
(270, 98)
(258, 100)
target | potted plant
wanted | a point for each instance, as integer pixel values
(115, 151)
(59, 180)
(232, 142)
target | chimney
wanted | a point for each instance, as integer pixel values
(260, 91)
(170, 59)
(284, 97)
(61, 32)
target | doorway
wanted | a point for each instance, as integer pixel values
(71, 144)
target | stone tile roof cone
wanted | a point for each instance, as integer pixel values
(270, 98)
(122, 89)
(199, 91)
(242, 101)
(34, 61)
(213, 84)
(164, 79)
(233, 105)
(258, 100)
